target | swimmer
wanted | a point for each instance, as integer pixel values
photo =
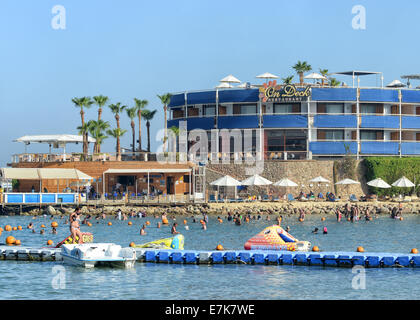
(30, 225)
(287, 229)
(204, 226)
(187, 228)
(33, 231)
(54, 230)
(279, 220)
(158, 225)
(237, 221)
(325, 230)
(143, 230)
(315, 230)
(173, 230)
(74, 225)
(42, 231)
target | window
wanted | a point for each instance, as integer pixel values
(368, 108)
(368, 135)
(282, 108)
(334, 134)
(209, 110)
(335, 108)
(249, 109)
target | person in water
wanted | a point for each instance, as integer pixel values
(338, 214)
(74, 226)
(173, 230)
(143, 230)
(30, 225)
(54, 230)
(315, 230)
(325, 230)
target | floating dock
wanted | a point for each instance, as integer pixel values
(252, 257)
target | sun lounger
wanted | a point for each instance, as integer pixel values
(353, 198)
(290, 197)
(265, 198)
(212, 198)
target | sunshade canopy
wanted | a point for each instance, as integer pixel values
(403, 183)
(53, 138)
(379, 183)
(43, 174)
(347, 181)
(285, 183)
(224, 85)
(267, 75)
(230, 78)
(356, 73)
(396, 84)
(315, 76)
(256, 180)
(226, 181)
(319, 179)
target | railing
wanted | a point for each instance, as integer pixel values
(41, 198)
(77, 157)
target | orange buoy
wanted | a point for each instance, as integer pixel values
(315, 249)
(401, 218)
(1, 229)
(164, 221)
(323, 219)
(348, 219)
(54, 224)
(10, 240)
(148, 223)
(50, 242)
(130, 223)
(14, 228)
(415, 251)
(220, 220)
(247, 219)
(17, 242)
(300, 219)
(132, 244)
(110, 223)
(42, 225)
(19, 227)
(89, 224)
(360, 249)
(185, 221)
(219, 247)
(8, 228)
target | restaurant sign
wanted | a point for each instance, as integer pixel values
(273, 92)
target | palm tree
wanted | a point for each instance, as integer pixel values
(334, 82)
(323, 72)
(288, 80)
(176, 132)
(140, 105)
(84, 102)
(100, 101)
(116, 109)
(83, 130)
(117, 133)
(148, 116)
(96, 129)
(165, 99)
(300, 68)
(132, 113)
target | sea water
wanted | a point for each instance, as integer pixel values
(53, 280)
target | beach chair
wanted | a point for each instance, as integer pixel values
(353, 198)
(239, 200)
(212, 198)
(265, 198)
(290, 197)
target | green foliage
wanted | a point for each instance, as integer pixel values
(391, 169)
(347, 165)
(15, 184)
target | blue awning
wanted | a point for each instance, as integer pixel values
(410, 122)
(410, 95)
(332, 147)
(333, 94)
(392, 122)
(335, 121)
(177, 100)
(238, 122)
(379, 95)
(205, 97)
(379, 147)
(241, 95)
(410, 148)
(285, 121)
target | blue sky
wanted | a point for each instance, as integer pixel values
(133, 48)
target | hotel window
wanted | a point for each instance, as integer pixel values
(249, 109)
(335, 108)
(372, 108)
(282, 108)
(371, 135)
(331, 135)
(209, 110)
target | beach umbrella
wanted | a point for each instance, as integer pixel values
(224, 85)
(230, 79)
(267, 75)
(256, 180)
(244, 85)
(319, 180)
(347, 182)
(226, 181)
(396, 84)
(403, 183)
(378, 183)
(315, 76)
(285, 183)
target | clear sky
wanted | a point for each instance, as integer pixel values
(134, 48)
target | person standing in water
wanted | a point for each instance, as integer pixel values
(173, 230)
(143, 230)
(75, 226)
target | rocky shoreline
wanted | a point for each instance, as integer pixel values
(254, 208)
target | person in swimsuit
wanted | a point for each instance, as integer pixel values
(173, 230)
(75, 226)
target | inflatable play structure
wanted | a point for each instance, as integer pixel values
(176, 242)
(87, 237)
(276, 238)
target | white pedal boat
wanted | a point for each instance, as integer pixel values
(89, 255)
